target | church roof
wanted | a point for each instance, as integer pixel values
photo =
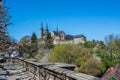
(69, 37)
(58, 33)
(55, 32)
(79, 36)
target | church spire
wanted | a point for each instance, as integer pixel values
(41, 27)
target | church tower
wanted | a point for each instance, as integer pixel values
(41, 31)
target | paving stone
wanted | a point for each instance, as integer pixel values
(14, 72)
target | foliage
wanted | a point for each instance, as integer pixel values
(69, 53)
(34, 45)
(28, 45)
(24, 45)
(23, 50)
(64, 53)
(48, 41)
(33, 38)
(92, 67)
(25, 39)
(93, 43)
(106, 55)
(113, 48)
(83, 57)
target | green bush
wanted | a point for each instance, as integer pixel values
(72, 54)
(66, 53)
(92, 67)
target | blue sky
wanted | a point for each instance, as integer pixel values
(93, 18)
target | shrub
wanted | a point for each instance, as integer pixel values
(92, 67)
(66, 53)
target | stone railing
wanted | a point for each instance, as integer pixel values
(51, 71)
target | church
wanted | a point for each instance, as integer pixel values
(59, 37)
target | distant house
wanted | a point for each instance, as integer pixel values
(79, 39)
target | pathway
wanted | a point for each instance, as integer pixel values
(10, 71)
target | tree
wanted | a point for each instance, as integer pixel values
(65, 53)
(34, 38)
(113, 47)
(48, 41)
(25, 39)
(84, 59)
(93, 43)
(92, 67)
(69, 53)
(24, 45)
(4, 22)
(34, 44)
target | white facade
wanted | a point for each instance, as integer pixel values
(80, 40)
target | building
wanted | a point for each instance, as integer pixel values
(43, 32)
(79, 39)
(59, 37)
(113, 73)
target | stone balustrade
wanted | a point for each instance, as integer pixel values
(46, 71)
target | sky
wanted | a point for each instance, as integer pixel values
(93, 18)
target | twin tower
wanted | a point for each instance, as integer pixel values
(43, 32)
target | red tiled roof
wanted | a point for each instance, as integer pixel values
(113, 72)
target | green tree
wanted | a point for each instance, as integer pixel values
(113, 48)
(70, 53)
(65, 53)
(25, 39)
(48, 41)
(24, 45)
(92, 67)
(93, 43)
(34, 45)
(82, 57)
(33, 38)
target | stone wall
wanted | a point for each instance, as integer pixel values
(47, 71)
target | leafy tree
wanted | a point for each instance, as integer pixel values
(25, 39)
(65, 53)
(92, 67)
(113, 48)
(93, 43)
(48, 41)
(34, 45)
(69, 53)
(4, 22)
(24, 45)
(33, 38)
(82, 57)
